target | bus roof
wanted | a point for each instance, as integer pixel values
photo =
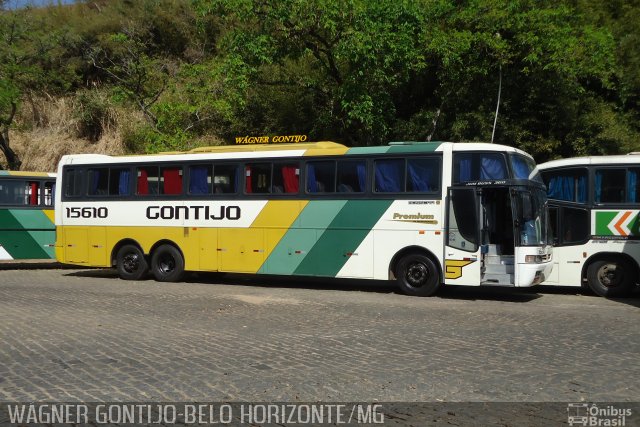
(322, 148)
(631, 158)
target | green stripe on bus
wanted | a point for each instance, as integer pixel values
(367, 150)
(345, 233)
(300, 238)
(426, 147)
(32, 219)
(23, 244)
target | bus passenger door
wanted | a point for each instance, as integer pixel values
(462, 260)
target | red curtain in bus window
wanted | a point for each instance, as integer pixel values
(247, 179)
(172, 181)
(33, 197)
(143, 183)
(290, 178)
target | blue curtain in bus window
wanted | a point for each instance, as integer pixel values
(389, 176)
(311, 178)
(198, 183)
(520, 167)
(362, 176)
(582, 189)
(632, 189)
(419, 176)
(123, 182)
(53, 194)
(598, 189)
(492, 168)
(464, 168)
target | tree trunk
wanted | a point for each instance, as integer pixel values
(13, 161)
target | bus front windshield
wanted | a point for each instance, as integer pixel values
(530, 216)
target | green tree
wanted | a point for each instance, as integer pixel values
(30, 54)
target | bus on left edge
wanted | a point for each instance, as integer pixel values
(27, 229)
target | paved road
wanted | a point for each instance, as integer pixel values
(84, 334)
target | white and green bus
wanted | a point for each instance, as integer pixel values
(424, 214)
(27, 230)
(595, 217)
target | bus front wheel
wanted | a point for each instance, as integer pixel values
(167, 264)
(131, 263)
(417, 275)
(610, 278)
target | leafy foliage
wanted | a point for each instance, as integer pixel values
(355, 71)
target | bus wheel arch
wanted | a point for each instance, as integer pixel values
(167, 261)
(610, 274)
(129, 259)
(416, 270)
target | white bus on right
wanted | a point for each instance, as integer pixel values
(594, 211)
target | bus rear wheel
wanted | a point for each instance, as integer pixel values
(131, 263)
(417, 275)
(610, 278)
(167, 264)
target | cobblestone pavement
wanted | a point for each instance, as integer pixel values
(87, 335)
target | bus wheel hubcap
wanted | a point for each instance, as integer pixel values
(417, 274)
(608, 275)
(130, 262)
(166, 264)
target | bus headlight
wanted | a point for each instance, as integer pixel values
(535, 259)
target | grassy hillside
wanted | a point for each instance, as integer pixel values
(126, 76)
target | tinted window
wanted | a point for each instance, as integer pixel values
(575, 225)
(463, 220)
(633, 191)
(148, 181)
(478, 166)
(98, 181)
(610, 186)
(13, 192)
(524, 168)
(258, 178)
(352, 176)
(389, 175)
(171, 180)
(49, 193)
(73, 182)
(200, 179)
(321, 177)
(423, 175)
(566, 184)
(225, 179)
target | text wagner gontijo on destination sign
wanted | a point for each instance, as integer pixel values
(270, 139)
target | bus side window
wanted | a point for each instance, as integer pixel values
(200, 179)
(610, 185)
(566, 184)
(171, 180)
(575, 225)
(352, 176)
(74, 182)
(321, 177)
(148, 180)
(423, 175)
(98, 181)
(119, 181)
(258, 178)
(225, 179)
(633, 191)
(33, 193)
(286, 178)
(389, 175)
(49, 193)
